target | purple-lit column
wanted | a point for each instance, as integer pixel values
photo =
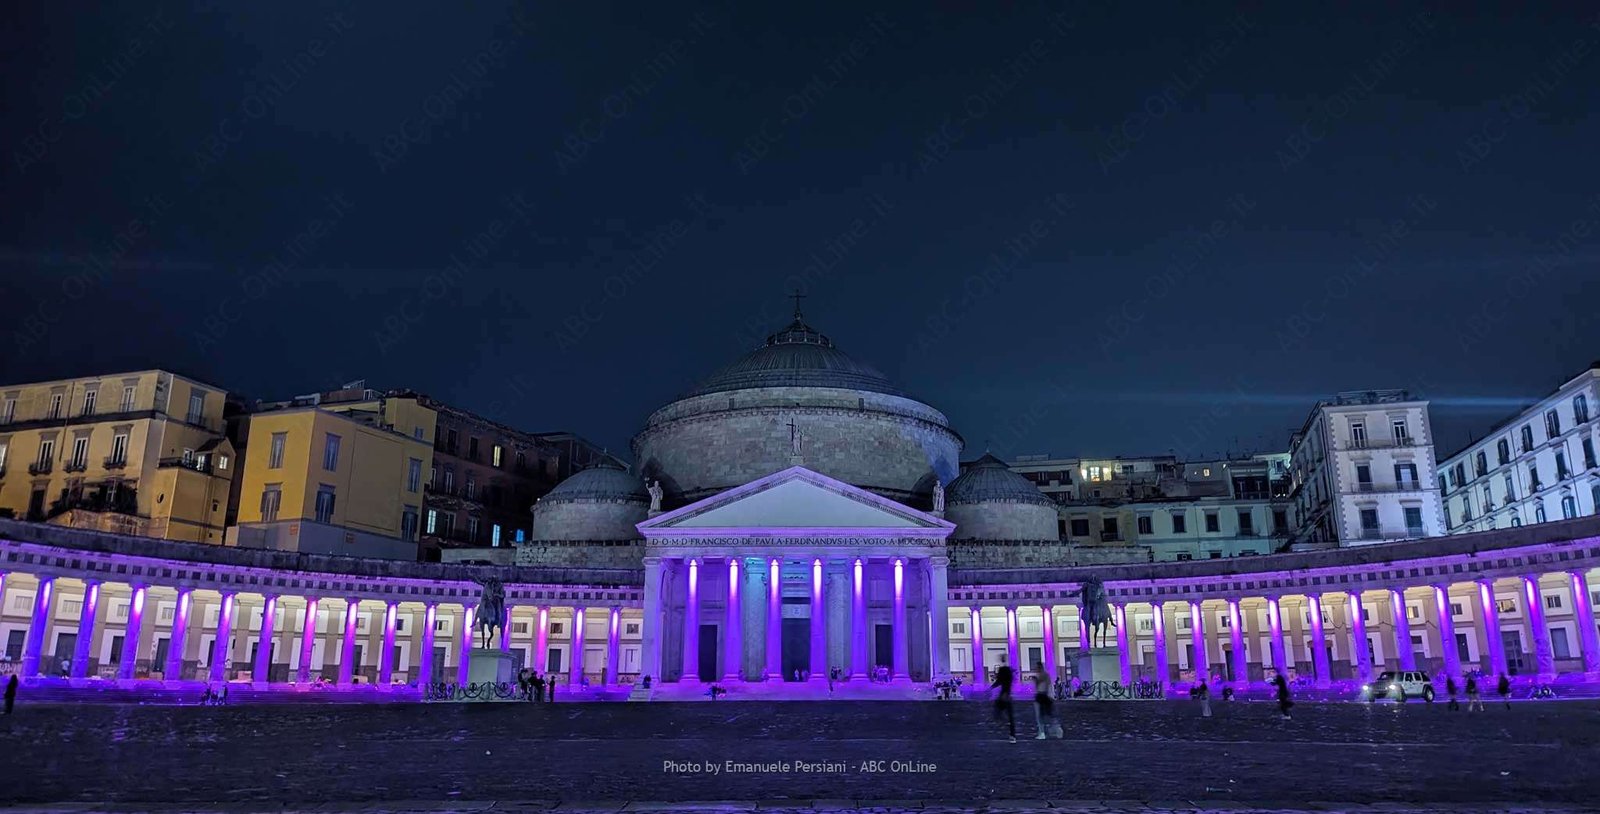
(858, 624)
(1011, 641)
(1083, 629)
(36, 627)
(464, 663)
(732, 637)
(425, 658)
(1200, 663)
(1543, 656)
(1160, 624)
(1241, 658)
(653, 623)
(347, 645)
(1319, 643)
(269, 618)
(818, 664)
(980, 676)
(902, 641)
(575, 669)
(1050, 641)
(1402, 630)
(505, 628)
(774, 669)
(541, 642)
(86, 617)
(613, 634)
(308, 638)
(1358, 637)
(173, 669)
(691, 626)
(1275, 622)
(1122, 644)
(1587, 634)
(1491, 626)
(130, 638)
(1447, 631)
(222, 648)
(386, 657)
(939, 612)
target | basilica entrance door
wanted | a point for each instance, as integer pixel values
(883, 639)
(796, 646)
(707, 669)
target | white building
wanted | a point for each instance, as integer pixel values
(1536, 466)
(1362, 469)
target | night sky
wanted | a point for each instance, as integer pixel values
(1076, 231)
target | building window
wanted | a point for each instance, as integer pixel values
(1402, 437)
(1247, 523)
(408, 523)
(1145, 526)
(1358, 434)
(1538, 511)
(413, 474)
(11, 410)
(472, 487)
(1369, 522)
(222, 463)
(1580, 409)
(275, 455)
(330, 452)
(494, 535)
(1180, 523)
(1569, 507)
(1080, 527)
(1213, 522)
(1109, 530)
(88, 401)
(1511, 488)
(433, 520)
(1280, 520)
(1588, 453)
(447, 524)
(127, 399)
(1527, 438)
(1503, 451)
(1406, 475)
(472, 529)
(47, 453)
(324, 503)
(1533, 476)
(1552, 423)
(55, 405)
(271, 499)
(1481, 464)
(80, 452)
(1552, 602)
(1364, 477)
(5, 447)
(496, 453)
(197, 407)
(449, 480)
(119, 449)
(472, 448)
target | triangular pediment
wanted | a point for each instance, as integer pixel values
(796, 500)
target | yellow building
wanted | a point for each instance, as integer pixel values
(336, 473)
(136, 453)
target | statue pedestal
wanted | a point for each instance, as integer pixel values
(491, 666)
(1099, 664)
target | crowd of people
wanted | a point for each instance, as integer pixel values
(536, 688)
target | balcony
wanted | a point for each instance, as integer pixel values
(1110, 537)
(1363, 487)
(196, 464)
(116, 462)
(75, 465)
(41, 467)
(1376, 443)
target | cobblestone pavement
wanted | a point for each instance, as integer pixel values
(1413, 757)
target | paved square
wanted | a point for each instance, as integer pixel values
(936, 754)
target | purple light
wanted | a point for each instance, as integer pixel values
(227, 604)
(94, 595)
(733, 581)
(858, 578)
(183, 605)
(138, 600)
(899, 577)
(45, 594)
(694, 577)
(1441, 599)
(1531, 588)
(816, 578)
(388, 618)
(432, 608)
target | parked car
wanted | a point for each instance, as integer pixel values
(1400, 686)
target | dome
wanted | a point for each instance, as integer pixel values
(989, 480)
(797, 356)
(605, 481)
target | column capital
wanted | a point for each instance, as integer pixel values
(939, 561)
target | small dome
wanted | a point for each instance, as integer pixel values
(989, 480)
(604, 481)
(797, 356)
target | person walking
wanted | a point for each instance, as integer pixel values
(1203, 692)
(1044, 709)
(1002, 699)
(1504, 689)
(551, 689)
(1283, 695)
(1473, 701)
(11, 693)
(1450, 689)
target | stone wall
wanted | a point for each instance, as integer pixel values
(581, 554)
(887, 444)
(1003, 521)
(588, 519)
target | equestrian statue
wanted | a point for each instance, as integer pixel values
(1096, 611)
(491, 610)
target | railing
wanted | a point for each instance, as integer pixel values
(75, 465)
(113, 462)
(197, 464)
(1403, 486)
(485, 691)
(1377, 443)
(1141, 690)
(41, 467)
(1110, 536)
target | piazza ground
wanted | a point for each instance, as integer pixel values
(353, 754)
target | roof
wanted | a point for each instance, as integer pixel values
(990, 480)
(797, 356)
(604, 481)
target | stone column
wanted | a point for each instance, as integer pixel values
(1544, 657)
(1358, 638)
(691, 627)
(980, 676)
(173, 669)
(1083, 628)
(1049, 612)
(464, 644)
(1588, 638)
(1319, 642)
(939, 614)
(773, 669)
(1275, 622)
(653, 625)
(902, 639)
(858, 623)
(130, 639)
(1012, 660)
(386, 658)
(505, 628)
(575, 669)
(347, 645)
(222, 648)
(1241, 656)
(732, 635)
(1123, 656)
(262, 672)
(754, 602)
(40, 620)
(818, 664)
(1159, 618)
(613, 642)
(425, 658)
(1490, 613)
(1447, 630)
(86, 617)
(1402, 630)
(541, 642)
(836, 595)
(308, 635)
(1201, 663)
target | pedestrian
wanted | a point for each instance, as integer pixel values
(66, 668)
(205, 697)
(551, 689)
(1044, 709)
(1504, 689)
(1450, 689)
(222, 695)
(1203, 692)
(1283, 695)
(11, 693)
(1472, 694)
(1002, 700)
